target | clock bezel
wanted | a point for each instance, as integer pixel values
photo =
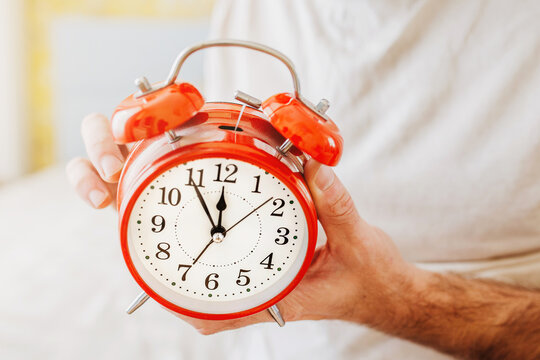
(242, 152)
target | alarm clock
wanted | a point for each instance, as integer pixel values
(216, 220)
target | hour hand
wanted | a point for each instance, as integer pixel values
(221, 206)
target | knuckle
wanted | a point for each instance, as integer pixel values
(343, 209)
(87, 123)
(91, 118)
(82, 184)
(94, 125)
(100, 145)
(74, 163)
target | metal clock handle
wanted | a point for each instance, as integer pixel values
(146, 88)
(181, 58)
(320, 108)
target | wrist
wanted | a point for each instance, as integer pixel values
(395, 306)
(413, 287)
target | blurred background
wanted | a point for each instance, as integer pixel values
(63, 59)
(65, 285)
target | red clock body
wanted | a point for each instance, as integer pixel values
(225, 154)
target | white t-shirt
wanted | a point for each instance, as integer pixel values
(438, 103)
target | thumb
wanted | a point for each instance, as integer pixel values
(333, 203)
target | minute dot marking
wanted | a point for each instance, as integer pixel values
(260, 234)
(225, 265)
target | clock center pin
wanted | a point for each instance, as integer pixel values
(218, 237)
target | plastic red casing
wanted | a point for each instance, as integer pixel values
(255, 145)
(138, 118)
(310, 132)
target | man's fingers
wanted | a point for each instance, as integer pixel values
(87, 183)
(335, 207)
(208, 327)
(106, 156)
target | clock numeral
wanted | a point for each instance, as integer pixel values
(232, 168)
(257, 182)
(267, 262)
(211, 284)
(158, 220)
(190, 179)
(279, 203)
(282, 239)
(163, 253)
(185, 272)
(173, 196)
(243, 280)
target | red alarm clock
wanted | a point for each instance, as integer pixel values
(216, 220)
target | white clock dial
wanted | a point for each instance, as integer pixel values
(200, 262)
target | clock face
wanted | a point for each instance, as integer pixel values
(217, 235)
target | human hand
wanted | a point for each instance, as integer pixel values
(95, 179)
(358, 275)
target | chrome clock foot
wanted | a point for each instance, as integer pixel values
(137, 303)
(276, 315)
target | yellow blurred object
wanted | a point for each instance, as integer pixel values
(38, 15)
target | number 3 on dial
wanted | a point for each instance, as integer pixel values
(261, 221)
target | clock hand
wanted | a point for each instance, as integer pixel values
(251, 212)
(218, 232)
(203, 203)
(221, 205)
(217, 237)
(203, 251)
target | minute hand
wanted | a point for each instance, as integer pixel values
(251, 212)
(203, 203)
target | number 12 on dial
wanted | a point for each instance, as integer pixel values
(218, 236)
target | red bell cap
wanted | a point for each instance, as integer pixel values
(310, 132)
(153, 114)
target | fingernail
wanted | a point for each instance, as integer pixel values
(324, 178)
(110, 165)
(97, 197)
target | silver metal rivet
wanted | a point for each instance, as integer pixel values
(286, 146)
(322, 106)
(172, 137)
(247, 99)
(143, 84)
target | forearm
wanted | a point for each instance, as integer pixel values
(472, 319)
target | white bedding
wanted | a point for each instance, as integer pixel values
(65, 289)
